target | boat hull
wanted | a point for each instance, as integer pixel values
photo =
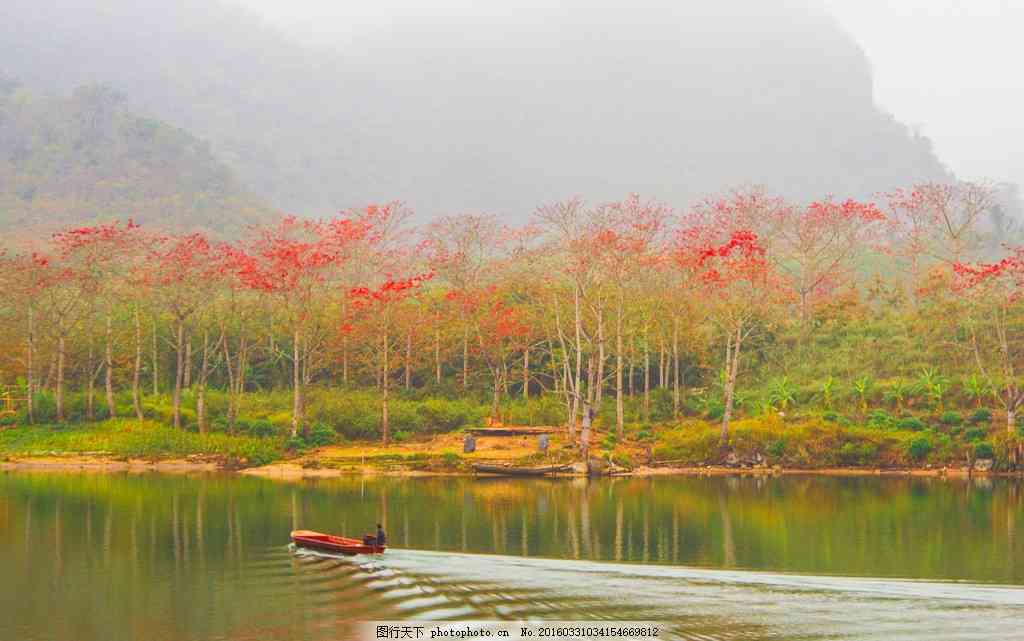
(330, 543)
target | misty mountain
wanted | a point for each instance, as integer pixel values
(84, 158)
(493, 110)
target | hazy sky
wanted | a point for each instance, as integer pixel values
(949, 68)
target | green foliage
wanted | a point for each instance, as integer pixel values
(84, 156)
(911, 423)
(979, 416)
(777, 448)
(975, 434)
(450, 460)
(782, 393)
(919, 448)
(715, 411)
(984, 450)
(950, 418)
(136, 439)
(857, 453)
(320, 435)
(880, 419)
(261, 427)
(401, 436)
(830, 416)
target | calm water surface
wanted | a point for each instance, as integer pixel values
(102, 558)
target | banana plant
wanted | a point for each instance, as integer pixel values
(863, 387)
(933, 385)
(975, 389)
(782, 393)
(827, 389)
(897, 393)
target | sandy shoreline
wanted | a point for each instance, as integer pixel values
(292, 470)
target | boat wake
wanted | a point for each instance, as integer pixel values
(693, 603)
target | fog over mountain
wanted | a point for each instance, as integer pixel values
(492, 111)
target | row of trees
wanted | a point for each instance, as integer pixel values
(586, 301)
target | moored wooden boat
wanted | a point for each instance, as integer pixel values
(508, 470)
(341, 544)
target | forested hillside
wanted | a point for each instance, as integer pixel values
(489, 110)
(84, 158)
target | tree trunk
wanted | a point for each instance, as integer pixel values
(30, 365)
(137, 369)
(465, 357)
(675, 367)
(437, 357)
(344, 361)
(179, 372)
(90, 383)
(526, 372)
(620, 411)
(496, 398)
(600, 360)
(61, 355)
(579, 361)
(647, 378)
(632, 372)
(201, 386)
(109, 365)
(732, 357)
(156, 363)
(296, 383)
(187, 381)
(230, 368)
(408, 359)
(385, 424)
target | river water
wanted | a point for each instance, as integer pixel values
(90, 557)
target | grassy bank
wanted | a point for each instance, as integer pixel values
(427, 431)
(125, 438)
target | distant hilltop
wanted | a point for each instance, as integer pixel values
(478, 112)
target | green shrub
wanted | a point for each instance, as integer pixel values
(400, 436)
(777, 448)
(450, 459)
(880, 419)
(295, 444)
(609, 442)
(715, 411)
(980, 416)
(830, 416)
(984, 450)
(8, 420)
(262, 428)
(951, 418)
(857, 453)
(644, 435)
(975, 434)
(919, 448)
(911, 423)
(320, 434)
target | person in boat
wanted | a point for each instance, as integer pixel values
(380, 540)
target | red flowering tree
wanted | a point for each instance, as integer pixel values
(818, 247)
(298, 263)
(624, 243)
(734, 272)
(462, 252)
(106, 257)
(996, 324)
(179, 271)
(936, 223)
(376, 304)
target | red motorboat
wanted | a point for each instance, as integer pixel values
(344, 545)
